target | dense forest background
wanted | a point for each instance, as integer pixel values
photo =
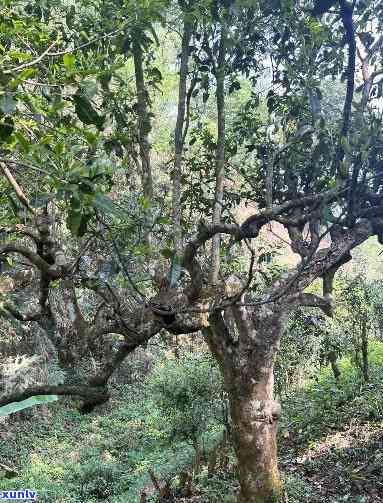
(191, 271)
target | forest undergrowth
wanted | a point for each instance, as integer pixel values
(331, 446)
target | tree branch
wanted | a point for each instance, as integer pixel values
(178, 132)
(33, 258)
(220, 73)
(19, 316)
(189, 260)
(346, 13)
(311, 300)
(33, 62)
(16, 187)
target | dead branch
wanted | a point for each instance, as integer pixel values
(16, 187)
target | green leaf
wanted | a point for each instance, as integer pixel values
(10, 261)
(106, 205)
(25, 404)
(6, 129)
(86, 113)
(27, 73)
(144, 203)
(77, 222)
(89, 87)
(69, 60)
(24, 143)
(163, 221)
(328, 217)
(167, 253)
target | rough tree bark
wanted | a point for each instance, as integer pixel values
(70, 325)
(243, 336)
(245, 339)
(246, 355)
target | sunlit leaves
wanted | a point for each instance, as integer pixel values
(69, 61)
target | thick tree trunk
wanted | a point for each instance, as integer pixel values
(254, 426)
(70, 324)
(246, 353)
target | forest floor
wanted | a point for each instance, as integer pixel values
(344, 465)
(330, 438)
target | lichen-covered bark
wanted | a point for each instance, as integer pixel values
(254, 422)
(71, 326)
(245, 347)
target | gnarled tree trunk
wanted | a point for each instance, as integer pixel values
(245, 348)
(70, 324)
(254, 426)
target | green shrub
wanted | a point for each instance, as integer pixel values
(96, 480)
(299, 491)
(188, 394)
(326, 403)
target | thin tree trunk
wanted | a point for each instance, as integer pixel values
(212, 462)
(332, 357)
(355, 338)
(178, 135)
(198, 457)
(269, 181)
(143, 122)
(364, 348)
(220, 156)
